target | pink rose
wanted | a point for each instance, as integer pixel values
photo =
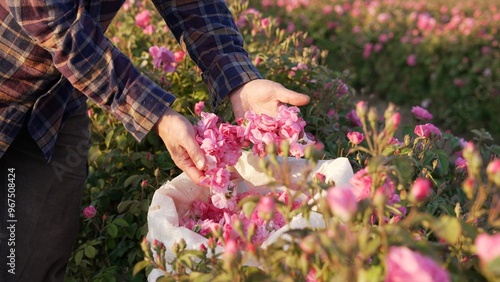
(362, 185)
(487, 247)
(163, 57)
(405, 265)
(421, 113)
(355, 137)
(142, 19)
(353, 118)
(427, 130)
(420, 190)
(198, 108)
(89, 212)
(411, 60)
(367, 50)
(461, 164)
(179, 56)
(342, 202)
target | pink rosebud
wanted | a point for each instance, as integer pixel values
(420, 190)
(198, 108)
(421, 113)
(144, 184)
(493, 171)
(487, 247)
(264, 22)
(179, 56)
(355, 137)
(394, 121)
(411, 60)
(89, 212)
(142, 19)
(266, 207)
(361, 109)
(230, 250)
(319, 177)
(404, 264)
(342, 202)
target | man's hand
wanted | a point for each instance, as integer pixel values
(179, 136)
(263, 97)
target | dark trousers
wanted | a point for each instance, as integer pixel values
(40, 203)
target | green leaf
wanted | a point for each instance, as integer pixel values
(138, 267)
(120, 222)
(447, 228)
(78, 257)
(112, 230)
(443, 160)
(109, 136)
(90, 252)
(130, 180)
(123, 206)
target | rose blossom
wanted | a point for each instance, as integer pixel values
(163, 57)
(487, 247)
(411, 60)
(421, 113)
(427, 130)
(420, 190)
(198, 107)
(89, 212)
(355, 137)
(353, 118)
(342, 202)
(405, 265)
(142, 19)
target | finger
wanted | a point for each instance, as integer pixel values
(293, 98)
(194, 174)
(195, 153)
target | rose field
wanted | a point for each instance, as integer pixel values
(390, 173)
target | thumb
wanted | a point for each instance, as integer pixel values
(291, 97)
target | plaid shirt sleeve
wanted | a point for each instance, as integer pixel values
(208, 31)
(90, 62)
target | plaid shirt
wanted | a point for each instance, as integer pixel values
(53, 55)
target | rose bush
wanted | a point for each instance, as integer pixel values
(443, 54)
(419, 191)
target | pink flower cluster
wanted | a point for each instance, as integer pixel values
(143, 20)
(204, 218)
(264, 130)
(222, 144)
(362, 185)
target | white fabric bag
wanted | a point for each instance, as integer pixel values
(173, 199)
